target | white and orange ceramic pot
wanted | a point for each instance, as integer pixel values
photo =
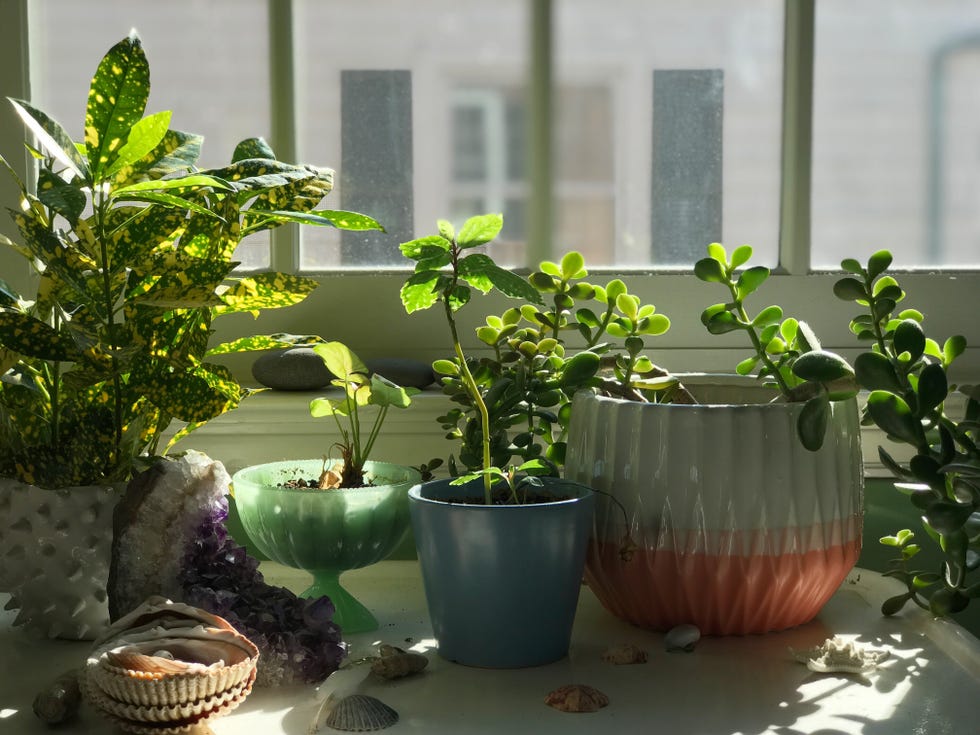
(739, 528)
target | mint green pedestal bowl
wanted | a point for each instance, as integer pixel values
(326, 532)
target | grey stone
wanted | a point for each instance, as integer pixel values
(403, 371)
(296, 368)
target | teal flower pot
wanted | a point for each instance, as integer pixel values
(501, 581)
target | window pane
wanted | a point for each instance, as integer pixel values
(718, 159)
(208, 65)
(897, 131)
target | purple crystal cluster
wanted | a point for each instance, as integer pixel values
(169, 539)
(296, 637)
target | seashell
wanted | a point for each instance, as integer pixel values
(837, 655)
(627, 653)
(169, 668)
(361, 713)
(59, 701)
(577, 698)
(395, 663)
(682, 638)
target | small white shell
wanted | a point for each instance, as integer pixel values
(837, 655)
(682, 638)
(361, 713)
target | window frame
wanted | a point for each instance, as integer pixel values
(378, 325)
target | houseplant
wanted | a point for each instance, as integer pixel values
(133, 248)
(748, 511)
(907, 374)
(501, 555)
(330, 516)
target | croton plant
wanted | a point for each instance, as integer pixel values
(133, 249)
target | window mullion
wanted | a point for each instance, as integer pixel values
(285, 240)
(797, 136)
(540, 126)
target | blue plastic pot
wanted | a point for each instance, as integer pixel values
(501, 582)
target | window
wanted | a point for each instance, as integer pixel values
(672, 124)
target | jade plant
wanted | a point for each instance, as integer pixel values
(359, 388)
(786, 352)
(516, 402)
(132, 247)
(907, 374)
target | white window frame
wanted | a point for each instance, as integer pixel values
(378, 325)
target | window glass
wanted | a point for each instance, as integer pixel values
(647, 172)
(896, 159)
(208, 65)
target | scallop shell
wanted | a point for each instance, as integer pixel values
(361, 713)
(627, 653)
(168, 667)
(682, 638)
(577, 698)
(395, 663)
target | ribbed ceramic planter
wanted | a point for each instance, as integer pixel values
(740, 529)
(501, 581)
(326, 532)
(55, 550)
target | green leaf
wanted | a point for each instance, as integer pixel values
(188, 183)
(64, 198)
(874, 371)
(340, 360)
(194, 396)
(894, 417)
(751, 279)
(878, 263)
(480, 230)
(265, 291)
(252, 148)
(579, 370)
(720, 321)
(386, 393)
(910, 338)
(53, 138)
(933, 387)
(573, 266)
(852, 266)
(116, 101)
(144, 137)
(253, 343)
(445, 367)
(419, 291)
(479, 270)
(656, 325)
(613, 290)
(710, 270)
(893, 605)
(769, 315)
(821, 366)
(850, 289)
(746, 366)
(741, 255)
(953, 348)
(812, 423)
(424, 247)
(627, 304)
(338, 218)
(446, 229)
(716, 251)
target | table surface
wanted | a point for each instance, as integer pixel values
(750, 685)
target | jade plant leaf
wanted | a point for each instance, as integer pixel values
(822, 366)
(812, 424)
(893, 415)
(874, 371)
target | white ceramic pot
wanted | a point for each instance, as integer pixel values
(55, 548)
(739, 528)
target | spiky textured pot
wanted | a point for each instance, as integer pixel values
(54, 556)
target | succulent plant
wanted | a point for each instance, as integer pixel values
(907, 374)
(787, 353)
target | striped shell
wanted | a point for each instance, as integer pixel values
(361, 713)
(168, 667)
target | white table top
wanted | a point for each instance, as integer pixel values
(728, 686)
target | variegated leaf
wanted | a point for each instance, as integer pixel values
(252, 148)
(29, 336)
(116, 101)
(57, 194)
(53, 137)
(177, 153)
(143, 138)
(195, 396)
(265, 291)
(138, 232)
(249, 344)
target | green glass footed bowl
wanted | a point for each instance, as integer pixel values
(326, 532)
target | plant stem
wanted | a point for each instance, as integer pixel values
(101, 210)
(760, 349)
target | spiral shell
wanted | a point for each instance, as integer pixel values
(577, 698)
(167, 667)
(361, 713)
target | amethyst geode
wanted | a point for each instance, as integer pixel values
(169, 539)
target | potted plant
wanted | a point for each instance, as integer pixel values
(747, 503)
(328, 516)
(132, 247)
(501, 549)
(907, 374)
